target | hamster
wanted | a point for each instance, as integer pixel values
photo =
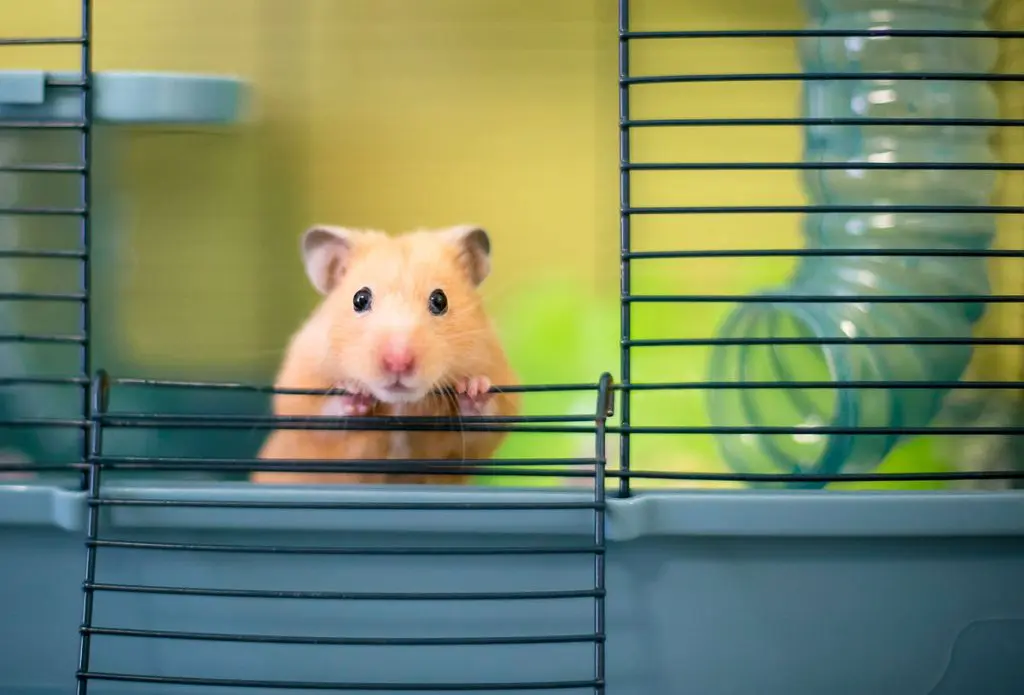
(403, 331)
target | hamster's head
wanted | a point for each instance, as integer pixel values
(402, 314)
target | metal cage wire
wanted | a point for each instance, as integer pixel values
(103, 420)
(82, 170)
(97, 388)
(629, 257)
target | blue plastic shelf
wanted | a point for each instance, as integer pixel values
(122, 97)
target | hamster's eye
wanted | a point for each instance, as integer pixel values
(438, 302)
(362, 300)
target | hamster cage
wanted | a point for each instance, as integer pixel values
(124, 572)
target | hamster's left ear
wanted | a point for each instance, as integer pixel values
(474, 247)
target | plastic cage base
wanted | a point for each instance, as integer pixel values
(707, 592)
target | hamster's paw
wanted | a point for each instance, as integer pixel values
(355, 402)
(473, 394)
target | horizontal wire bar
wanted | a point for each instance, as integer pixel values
(822, 33)
(814, 166)
(822, 209)
(43, 212)
(474, 470)
(865, 122)
(41, 297)
(774, 385)
(385, 463)
(611, 473)
(343, 550)
(348, 595)
(818, 478)
(62, 82)
(356, 466)
(827, 298)
(371, 506)
(51, 339)
(824, 76)
(42, 169)
(43, 422)
(42, 467)
(43, 125)
(215, 385)
(823, 253)
(701, 342)
(41, 41)
(389, 421)
(27, 253)
(324, 423)
(342, 641)
(313, 685)
(44, 381)
(766, 430)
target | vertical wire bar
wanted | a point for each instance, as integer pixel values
(85, 224)
(625, 246)
(604, 410)
(94, 399)
(99, 396)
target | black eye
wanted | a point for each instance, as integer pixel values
(438, 302)
(362, 300)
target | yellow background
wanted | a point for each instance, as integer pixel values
(402, 113)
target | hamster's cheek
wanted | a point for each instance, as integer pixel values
(435, 372)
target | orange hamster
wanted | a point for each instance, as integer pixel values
(402, 329)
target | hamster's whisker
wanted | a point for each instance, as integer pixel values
(332, 390)
(453, 401)
(444, 392)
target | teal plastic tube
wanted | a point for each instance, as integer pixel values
(960, 140)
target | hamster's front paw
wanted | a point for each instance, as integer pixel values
(356, 401)
(473, 394)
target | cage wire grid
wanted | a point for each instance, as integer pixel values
(97, 387)
(629, 257)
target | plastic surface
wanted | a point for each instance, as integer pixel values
(121, 97)
(783, 593)
(869, 276)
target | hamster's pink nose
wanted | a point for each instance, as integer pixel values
(398, 360)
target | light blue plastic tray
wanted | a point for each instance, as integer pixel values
(122, 97)
(715, 593)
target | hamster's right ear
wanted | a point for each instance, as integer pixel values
(325, 252)
(474, 250)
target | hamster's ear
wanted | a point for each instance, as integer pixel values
(325, 253)
(474, 250)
